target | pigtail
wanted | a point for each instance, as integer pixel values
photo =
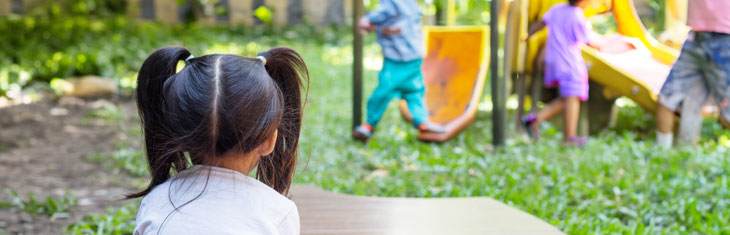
(155, 72)
(287, 68)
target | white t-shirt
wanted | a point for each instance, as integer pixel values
(230, 203)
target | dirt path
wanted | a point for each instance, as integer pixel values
(44, 148)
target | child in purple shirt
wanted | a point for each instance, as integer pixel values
(564, 67)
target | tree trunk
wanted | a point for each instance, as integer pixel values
(223, 18)
(335, 13)
(147, 8)
(440, 11)
(295, 12)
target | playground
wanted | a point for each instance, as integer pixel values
(67, 157)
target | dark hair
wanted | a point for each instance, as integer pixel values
(217, 104)
(574, 2)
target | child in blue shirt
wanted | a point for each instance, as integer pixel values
(398, 27)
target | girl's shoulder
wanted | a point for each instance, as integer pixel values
(269, 194)
(215, 199)
(243, 189)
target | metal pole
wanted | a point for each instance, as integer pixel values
(357, 12)
(498, 84)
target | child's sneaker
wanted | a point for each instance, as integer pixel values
(577, 141)
(431, 127)
(528, 122)
(363, 132)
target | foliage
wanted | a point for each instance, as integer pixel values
(87, 8)
(472, 12)
(264, 14)
(128, 159)
(109, 113)
(54, 207)
(59, 46)
(656, 20)
(116, 221)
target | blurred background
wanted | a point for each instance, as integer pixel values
(70, 141)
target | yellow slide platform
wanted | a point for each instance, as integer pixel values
(454, 71)
(634, 65)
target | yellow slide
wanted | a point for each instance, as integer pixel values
(454, 71)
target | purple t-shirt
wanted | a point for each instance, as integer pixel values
(564, 66)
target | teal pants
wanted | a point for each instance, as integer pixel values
(398, 80)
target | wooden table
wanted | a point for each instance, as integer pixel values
(323, 212)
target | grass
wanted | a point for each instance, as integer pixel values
(125, 159)
(116, 221)
(619, 183)
(107, 113)
(53, 207)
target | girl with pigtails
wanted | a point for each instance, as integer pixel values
(206, 128)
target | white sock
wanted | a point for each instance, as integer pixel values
(664, 139)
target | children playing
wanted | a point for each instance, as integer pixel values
(212, 123)
(398, 26)
(564, 67)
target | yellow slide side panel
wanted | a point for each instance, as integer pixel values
(619, 81)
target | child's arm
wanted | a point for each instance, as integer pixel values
(587, 36)
(536, 27)
(386, 10)
(596, 41)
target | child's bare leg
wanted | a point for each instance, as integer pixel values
(570, 117)
(554, 108)
(664, 119)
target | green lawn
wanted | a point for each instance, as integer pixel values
(618, 183)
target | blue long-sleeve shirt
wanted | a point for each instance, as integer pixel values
(406, 16)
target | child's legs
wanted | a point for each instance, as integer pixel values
(383, 93)
(685, 73)
(570, 117)
(417, 106)
(553, 109)
(664, 119)
(573, 89)
(718, 75)
(413, 91)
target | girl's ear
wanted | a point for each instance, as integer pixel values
(267, 147)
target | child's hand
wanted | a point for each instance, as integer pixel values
(391, 31)
(365, 26)
(526, 38)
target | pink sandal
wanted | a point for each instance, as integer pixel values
(577, 141)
